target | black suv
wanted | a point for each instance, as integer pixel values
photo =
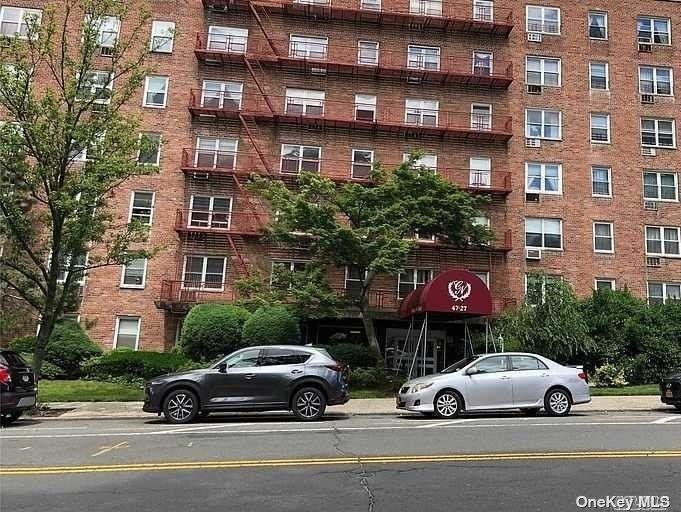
(300, 379)
(17, 386)
(670, 389)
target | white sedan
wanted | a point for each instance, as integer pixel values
(507, 380)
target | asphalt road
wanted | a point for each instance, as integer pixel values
(382, 463)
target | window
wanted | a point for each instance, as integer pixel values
(213, 152)
(354, 280)
(304, 102)
(423, 57)
(521, 363)
(155, 91)
(599, 76)
(658, 132)
(221, 95)
(133, 274)
(426, 7)
(204, 273)
(598, 25)
(14, 21)
(543, 178)
(78, 269)
(544, 71)
(480, 172)
(303, 47)
(127, 332)
(660, 186)
(481, 220)
(365, 107)
(162, 36)
(249, 358)
(370, 5)
(544, 233)
(427, 162)
(410, 279)
(535, 287)
(421, 112)
(283, 272)
(150, 150)
(362, 163)
(283, 356)
(654, 30)
(227, 39)
(600, 128)
(481, 117)
(367, 53)
(660, 293)
(543, 19)
(483, 10)
(494, 364)
(543, 124)
(482, 275)
(210, 212)
(656, 80)
(604, 283)
(142, 207)
(97, 86)
(662, 241)
(296, 159)
(483, 63)
(601, 181)
(604, 237)
(108, 28)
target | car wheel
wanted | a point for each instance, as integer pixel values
(530, 411)
(180, 406)
(308, 404)
(557, 402)
(10, 417)
(447, 404)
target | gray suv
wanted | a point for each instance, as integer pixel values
(301, 379)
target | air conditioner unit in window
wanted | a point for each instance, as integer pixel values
(318, 71)
(200, 175)
(532, 198)
(534, 89)
(413, 79)
(645, 47)
(647, 98)
(650, 205)
(533, 254)
(653, 261)
(106, 51)
(534, 37)
(533, 143)
(648, 151)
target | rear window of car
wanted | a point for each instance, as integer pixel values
(12, 359)
(527, 363)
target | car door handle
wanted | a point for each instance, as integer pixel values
(545, 374)
(505, 378)
(249, 376)
(296, 371)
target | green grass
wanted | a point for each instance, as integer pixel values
(87, 391)
(643, 389)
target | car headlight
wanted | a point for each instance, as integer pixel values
(421, 387)
(155, 383)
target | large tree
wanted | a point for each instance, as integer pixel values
(372, 227)
(66, 142)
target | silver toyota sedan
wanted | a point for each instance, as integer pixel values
(507, 380)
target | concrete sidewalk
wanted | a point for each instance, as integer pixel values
(368, 406)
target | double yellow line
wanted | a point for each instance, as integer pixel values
(275, 463)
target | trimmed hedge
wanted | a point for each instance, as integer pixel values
(274, 325)
(130, 364)
(354, 355)
(212, 330)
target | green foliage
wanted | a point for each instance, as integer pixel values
(130, 365)
(352, 354)
(274, 325)
(609, 376)
(49, 371)
(374, 378)
(25, 344)
(212, 330)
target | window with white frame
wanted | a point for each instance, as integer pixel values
(155, 91)
(483, 10)
(545, 20)
(480, 172)
(543, 178)
(426, 7)
(604, 237)
(296, 158)
(604, 283)
(362, 163)
(365, 107)
(354, 280)
(545, 71)
(599, 79)
(96, 86)
(660, 293)
(150, 149)
(598, 25)
(483, 63)
(411, 278)
(600, 128)
(656, 80)
(481, 117)
(133, 274)
(227, 39)
(662, 241)
(536, 286)
(210, 212)
(370, 5)
(483, 275)
(108, 28)
(543, 124)
(425, 162)
(204, 273)
(543, 233)
(601, 181)
(367, 53)
(481, 220)
(77, 268)
(283, 271)
(142, 207)
(304, 102)
(15, 21)
(421, 112)
(423, 57)
(162, 36)
(222, 95)
(658, 132)
(127, 333)
(306, 47)
(654, 30)
(660, 186)
(215, 153)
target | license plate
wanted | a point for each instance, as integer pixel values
(669, 393)
(24, 378)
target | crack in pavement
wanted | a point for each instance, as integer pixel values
(363, 475)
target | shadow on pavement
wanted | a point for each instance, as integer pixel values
(264, 418)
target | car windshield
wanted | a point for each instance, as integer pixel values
(460, 364)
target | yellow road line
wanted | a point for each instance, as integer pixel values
(274, 463)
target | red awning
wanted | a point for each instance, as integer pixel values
(457, 292)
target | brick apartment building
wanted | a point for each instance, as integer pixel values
(563, 112)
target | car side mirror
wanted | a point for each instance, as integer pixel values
(222, 367)
(472, 370)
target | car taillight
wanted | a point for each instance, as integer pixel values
(336, 367)
(5, 377)
(582, 375)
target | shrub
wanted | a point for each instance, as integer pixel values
(212, 330)
(49, 371)
(25, 344)
(354, 355)
(274, 325)
(609, 376)
(133, 365)
(363, 378)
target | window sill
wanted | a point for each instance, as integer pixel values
(132, 287)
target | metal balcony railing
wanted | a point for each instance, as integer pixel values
(218, 222)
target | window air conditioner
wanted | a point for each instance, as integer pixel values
(534, 37)
(650, 205)
(533, 143)
(645, 151)
(532, 198)
(647, 98)
(653, 261)
(534, 89)
(533, 254)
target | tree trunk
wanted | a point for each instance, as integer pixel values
(370, 331)
(46, 328)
